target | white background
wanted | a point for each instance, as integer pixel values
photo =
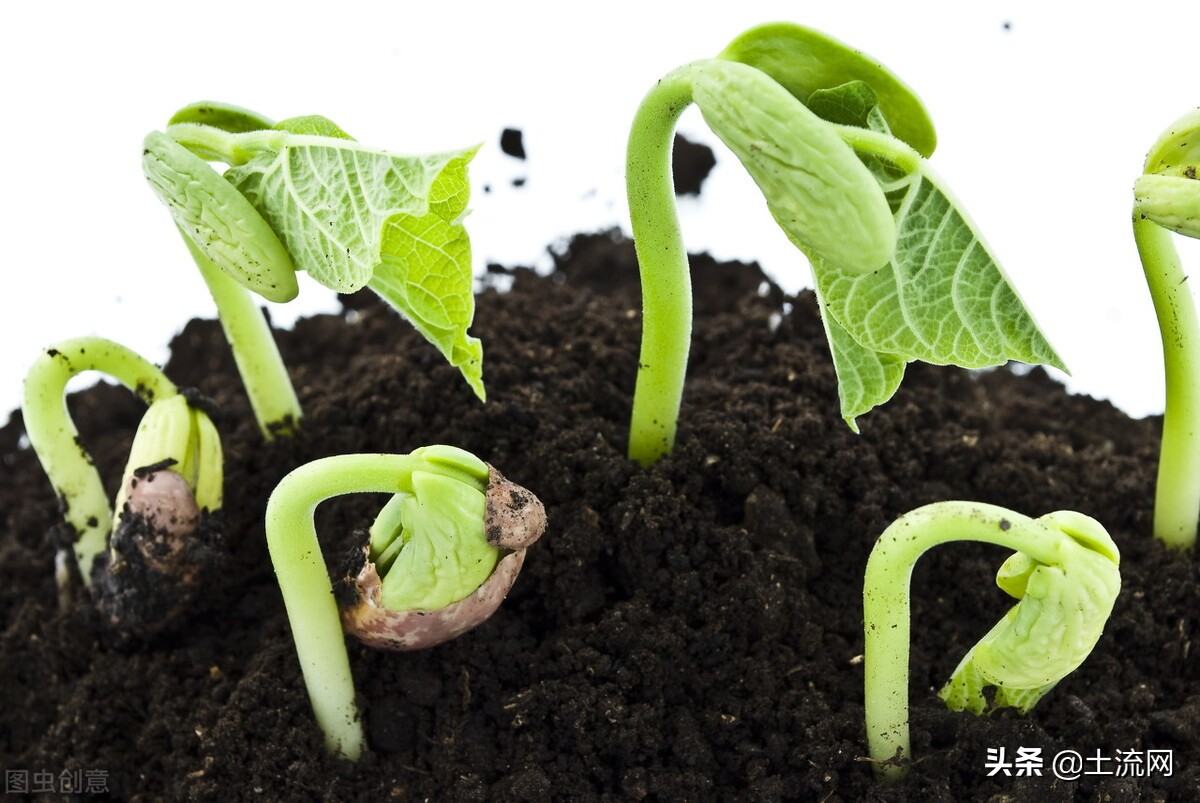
(1044, 116)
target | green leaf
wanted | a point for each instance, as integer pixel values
(425, 273)
(328, 200)
(852, 103)
(804, 61)
(965, 689)
(1061, 615)
(1177, 150)
(445, 554)
(312, 125)
(866, 378)
(353, 217)
(224, 116)
(942, 299)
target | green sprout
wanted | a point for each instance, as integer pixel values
(838, 146)
(1065, 575)
(440, 558)
(301, 194)
(55, 440)
(1167, 199)
(172, 482)
(165, 546)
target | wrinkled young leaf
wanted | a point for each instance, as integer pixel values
(329, 198)
(866, 378)
(816, 188)
(352, 217)
(444, 553)
(1061, 615)
(805, 62)
(942, 299)
(852, 103)
(1177, 150)
(218, 220)
(312, 125)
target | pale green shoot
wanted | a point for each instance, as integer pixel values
(301, 195)
(837, 144)
(55, 440)
(1167, 199)
(438, 563)
(1065, 576)
(177, 435)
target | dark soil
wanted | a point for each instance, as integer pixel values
(512, 143)
(690, 632)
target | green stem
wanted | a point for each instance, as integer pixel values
(864, 140)
(886, 606)
(1177, 499)
(304, 582)
(272, 396)
(663, 264)
(214, 145)
(54, 438)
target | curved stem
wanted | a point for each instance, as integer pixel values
(304, 582)
(864, 140)
(663, 266)
(886, 606)
(213, 144)
(55, 439)
(264, 375)
(1177, 498)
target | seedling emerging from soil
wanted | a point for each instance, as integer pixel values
(55, 440)
(1065, 574)
(150, 570)
(166, 546)
(837, 144)
(301, 194)
(1167, 199)
(439, 560)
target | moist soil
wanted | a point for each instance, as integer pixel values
(688, 632)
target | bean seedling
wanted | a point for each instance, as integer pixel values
(838, 146)
(440, 558)
(301, 194)
(1167, 199)
(1065, 575)
(145, 565)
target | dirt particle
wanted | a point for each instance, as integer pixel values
(512, 143)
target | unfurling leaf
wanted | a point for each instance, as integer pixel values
(353, 217)
(866, 378)
(328, 200)
(1061, 615)
(942, 299)
(805, 62)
